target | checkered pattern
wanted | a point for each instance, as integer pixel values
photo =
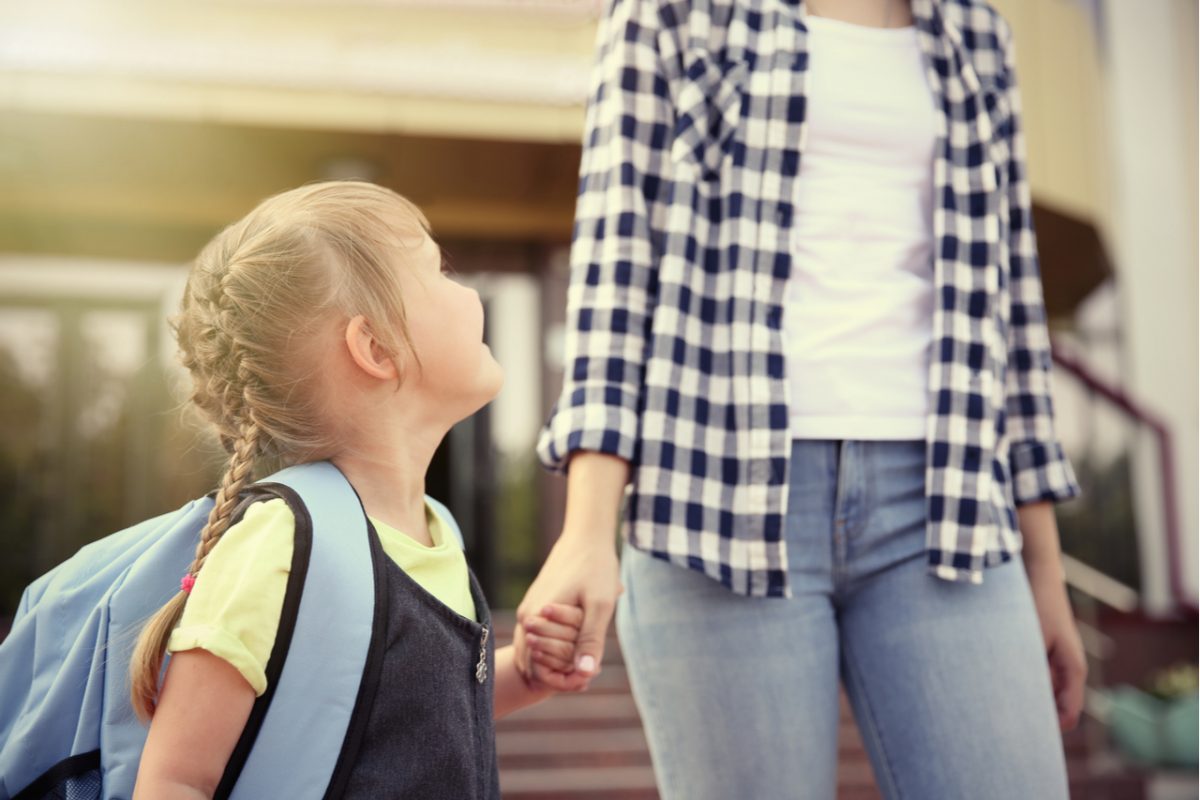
(695, 136)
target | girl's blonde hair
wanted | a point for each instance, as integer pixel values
(257, 296)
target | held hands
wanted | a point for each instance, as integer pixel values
(581, 572)
(553, 651)
(584, 576)
(550, 639)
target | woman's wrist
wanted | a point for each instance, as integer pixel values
(595, 485)
(600, 535)
(1045, 570)
(1040, 548)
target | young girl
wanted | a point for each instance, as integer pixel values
(324, 327)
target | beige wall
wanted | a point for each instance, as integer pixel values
(1062, 86)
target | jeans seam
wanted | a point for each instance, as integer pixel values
(840, 518)
(873, 729)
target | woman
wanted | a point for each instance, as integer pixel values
(806, 327)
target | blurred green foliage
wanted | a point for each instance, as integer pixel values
(1099, 528)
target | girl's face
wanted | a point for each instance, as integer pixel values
(445, 324)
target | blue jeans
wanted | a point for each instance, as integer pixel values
(948, 682)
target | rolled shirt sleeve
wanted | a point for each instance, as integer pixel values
(1040, 469)
(612, 287)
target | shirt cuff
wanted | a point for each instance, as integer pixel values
(1041, 472)
(224, 646)
(610, 428)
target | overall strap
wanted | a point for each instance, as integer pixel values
(302, 733)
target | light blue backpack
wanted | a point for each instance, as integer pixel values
(67, 729)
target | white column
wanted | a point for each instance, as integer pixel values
(514, 333)
(1151, 65)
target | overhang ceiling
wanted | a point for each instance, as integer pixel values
(134, 129)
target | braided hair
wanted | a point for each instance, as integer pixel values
(258, 298)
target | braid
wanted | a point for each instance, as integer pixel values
(233, 406)
(237, 474)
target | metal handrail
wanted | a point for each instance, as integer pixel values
(1095, 584)
(1166, 456)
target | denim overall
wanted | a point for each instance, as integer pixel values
(430, 734)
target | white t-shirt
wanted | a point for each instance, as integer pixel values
(858, 312)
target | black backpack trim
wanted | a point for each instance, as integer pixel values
(49, 781)
(301, 550)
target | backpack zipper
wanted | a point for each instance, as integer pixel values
(481, 667)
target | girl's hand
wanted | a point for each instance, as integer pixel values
(1064, 648)
(550, 637)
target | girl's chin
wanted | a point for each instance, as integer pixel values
(496, 378)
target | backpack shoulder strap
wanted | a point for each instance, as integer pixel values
(324, 643)
(448, 518)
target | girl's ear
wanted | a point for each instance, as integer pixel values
(366, 351)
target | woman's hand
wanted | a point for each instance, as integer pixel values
(582, 569)
(1064, 647)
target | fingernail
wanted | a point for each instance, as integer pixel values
(587, 664)
(529, 637)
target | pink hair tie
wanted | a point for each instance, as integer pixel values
(187, 583)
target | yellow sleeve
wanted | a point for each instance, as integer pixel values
(234, 608)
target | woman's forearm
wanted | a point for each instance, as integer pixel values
(582, 568)
(595, 485)
(1041, 550)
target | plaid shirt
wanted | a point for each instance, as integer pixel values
(695, 137)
